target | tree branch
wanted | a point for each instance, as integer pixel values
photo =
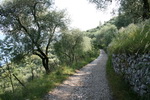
(50, 39)
(25, 29)
(38, 55)
(35, 19)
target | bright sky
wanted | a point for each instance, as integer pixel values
(83, 14)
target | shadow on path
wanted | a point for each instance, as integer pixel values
(89, 83)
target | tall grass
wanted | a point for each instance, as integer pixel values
(132, 39)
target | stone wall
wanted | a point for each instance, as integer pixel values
(135, 69)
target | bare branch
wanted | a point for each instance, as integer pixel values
(50, 40)
(35, 19)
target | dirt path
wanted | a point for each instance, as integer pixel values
(89, 83)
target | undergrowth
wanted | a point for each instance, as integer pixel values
(36, 89)
(133, 39)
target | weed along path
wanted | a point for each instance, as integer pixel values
(89, 83)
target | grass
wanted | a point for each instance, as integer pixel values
(119, 88)
(132, 39)
(37, 88)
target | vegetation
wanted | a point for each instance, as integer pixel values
(105, 35)
(132, 39)
(36, 89)
(129, 39)
(38, 41)
(30, 26)
(102, 35)
(26, 79)
(134, 10)
(119, 88)
(71, 46)
(120, 21)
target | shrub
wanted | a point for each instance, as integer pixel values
(132, 39)
(105, 35)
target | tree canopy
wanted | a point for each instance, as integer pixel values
(31, 26)
(69, 47)
(135, 9)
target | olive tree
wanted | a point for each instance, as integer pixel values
(105, 35)
(135, 9)
(31, 25)
(69, 46)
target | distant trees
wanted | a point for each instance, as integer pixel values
(30, 25)
(70, 46)
(102, 36)
(130, 11)
(101, 4)
(120, 21)
(105, 35)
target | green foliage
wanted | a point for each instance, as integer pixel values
(105, 35)
(133, 39)
(25, 71)
(132, 9)
(30, 27)
(119, 88)
(135, 10)
(120, 21)
(72, 46)
(101, 36)
(101, 4)
(36, 89)
(86, 45)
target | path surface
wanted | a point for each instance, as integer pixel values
(89, 83)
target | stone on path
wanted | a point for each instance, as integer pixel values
(89, 83)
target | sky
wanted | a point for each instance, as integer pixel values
(83, 14)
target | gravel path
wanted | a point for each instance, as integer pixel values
(89, 83)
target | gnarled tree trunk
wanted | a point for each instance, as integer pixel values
(146, 10)
(45, 64)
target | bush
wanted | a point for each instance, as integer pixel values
(105, 35)
(36, 89)
(132, 39)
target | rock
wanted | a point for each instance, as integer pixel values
(136, 69)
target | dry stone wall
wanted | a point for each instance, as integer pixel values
(135, 69)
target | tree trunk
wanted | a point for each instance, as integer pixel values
(45, 64)
(11, 81)
(19, 80)
(10, 77)
(32, 73)
(76, 59)
(45, 61)
(4, 86)
(146, 10)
